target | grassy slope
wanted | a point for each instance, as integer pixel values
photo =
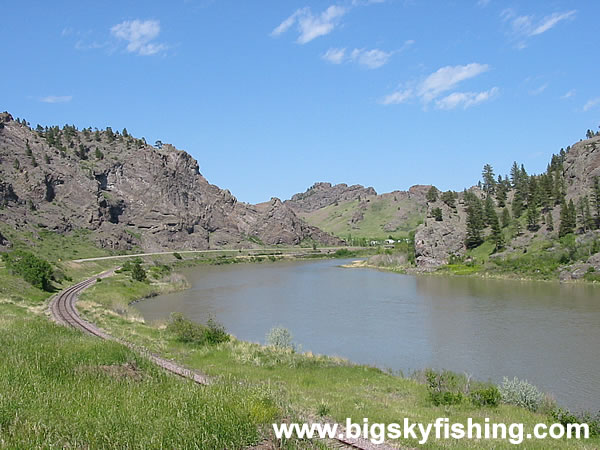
(311, 384)
(61, 388)
(336, 219)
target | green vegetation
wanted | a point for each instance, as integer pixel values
(61, 389)
(187, 331)
(34, 270)
(376, 213)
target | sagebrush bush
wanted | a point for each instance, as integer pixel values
(280, 337)
(444, 387)
(194, 333)
(521, 393)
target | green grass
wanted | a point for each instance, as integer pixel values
(54, 246)
(61, 389)
(336, 219)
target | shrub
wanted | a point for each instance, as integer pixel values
(194, 333)
(280, 337)
(137, 272)
(177, 255)
(489, 396)
(444, 387)
(565, 417)
(32, 269)
(521, 393)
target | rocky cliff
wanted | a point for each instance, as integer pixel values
(436, 241)
(320, 195)
(129, 193)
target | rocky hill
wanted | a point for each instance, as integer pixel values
(360, 212)
(129, 193)
(570, 177)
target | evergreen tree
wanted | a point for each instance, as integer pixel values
(496, 234)
(475, 220)
(596, 200)
(449, 198)
(137, 272)
(489, 180)
(567, 222)
(489, 211)
(501, 192)
(515, 175)
(125, 133)
(17, 164)
(533, 217)
(432, 194)
(505, 218)
(437, 214)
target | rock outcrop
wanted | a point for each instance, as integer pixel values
(320, 195)
(129, 193)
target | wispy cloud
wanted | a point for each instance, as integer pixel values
(56, 99)
(465, 99)
(538, 90)
(442, 80)
(483, 3)
(524, 27)
(310, 26)
(591, 103)
(334, 55)
(568, 94)
(398, 97)
(371, 59)
(139, 36)
(447, 78)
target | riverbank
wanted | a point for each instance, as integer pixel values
(282, 383)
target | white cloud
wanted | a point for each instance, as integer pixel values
(591, 103)
(372, 59)
(334, 55)
(442, 80)
(524, 27)
(465, 99)
(538, 90)
(568, 94)
(311, 26)
(447, 77)
(398, 97)
(57, 99)
(550, 21)
(138, 35)
(483, 3)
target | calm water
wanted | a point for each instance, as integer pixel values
(544, 332)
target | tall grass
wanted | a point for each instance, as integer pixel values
(59, 388)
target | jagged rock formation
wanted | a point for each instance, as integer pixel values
(320, 195)
(129, 193)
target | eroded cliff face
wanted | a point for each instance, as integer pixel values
(129, 193)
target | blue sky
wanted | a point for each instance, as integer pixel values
(273, 96)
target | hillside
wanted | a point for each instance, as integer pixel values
(360, 212)
(539, 225)
(129, 193)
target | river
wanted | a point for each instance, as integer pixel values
(547, 333)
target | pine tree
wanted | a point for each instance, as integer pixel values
(596, 200)
(496, 234)
(533, 217)
(489, 211)
(432, 194)
(449, 198)
(475, 222)
(505, 218)
(501, 192)
(437, 214)
(489, 180)
(515, 175)
(567, 218)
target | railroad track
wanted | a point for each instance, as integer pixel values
(63, 311)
